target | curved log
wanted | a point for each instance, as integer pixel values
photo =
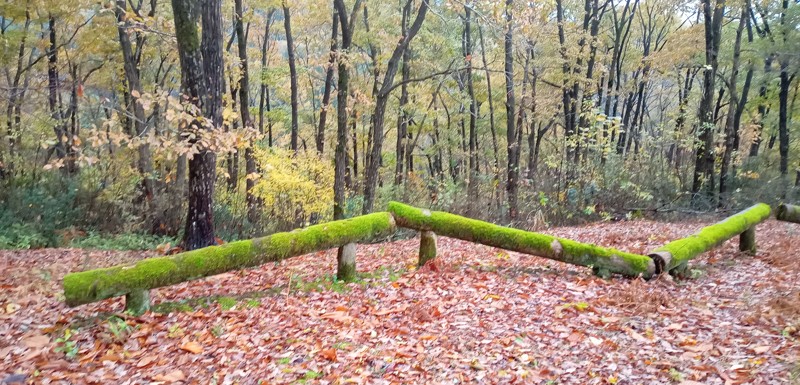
(603, 260)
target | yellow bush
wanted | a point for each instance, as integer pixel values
(293, 185)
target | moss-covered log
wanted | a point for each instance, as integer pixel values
(789, 213)
(678, 252)
(601, 259)
(94, 285)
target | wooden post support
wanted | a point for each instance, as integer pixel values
(346, 263)
(137, 302)
(747, 241)
(427, 247)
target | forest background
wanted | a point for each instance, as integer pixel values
(297, 112)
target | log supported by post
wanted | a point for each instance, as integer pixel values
(603, 260)
(788, 213)
(677, 253)
(133, 280)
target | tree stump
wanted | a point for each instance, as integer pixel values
(346, 266)
(427, 247)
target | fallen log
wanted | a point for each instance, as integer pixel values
(603, 261)
(788, 213)
(673, 256)
(95, 285)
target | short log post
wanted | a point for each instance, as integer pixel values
(427, 247)
(137, 302)
(346, 263)
(747, 241)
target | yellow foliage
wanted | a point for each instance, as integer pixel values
(290, 184)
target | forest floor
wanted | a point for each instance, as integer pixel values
(480, 315)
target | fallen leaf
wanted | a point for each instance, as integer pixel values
(11, 308)
(36, 342)
(192, 347)
(173, 376)
(328, 354)
(699, 348)
(761, 349)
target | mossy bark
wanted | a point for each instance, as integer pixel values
(747, 241)
(137, 301)
(678, 252)
(427, 247)
(564, 250)
(346, 263)
(95, 285)
(789, 213)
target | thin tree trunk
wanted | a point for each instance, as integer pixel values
(287, 24)
(511, 133)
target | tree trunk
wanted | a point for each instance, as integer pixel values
(704, 159)
(244, 107)
(326, 96)
(287, 24)
(511, 133)
(733, 107)
(382, 98)
(201, 69)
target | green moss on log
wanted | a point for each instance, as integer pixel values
(94, 285)
(548, 246)
(789, 213)
(678, 252)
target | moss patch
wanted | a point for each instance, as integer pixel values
(548, 246)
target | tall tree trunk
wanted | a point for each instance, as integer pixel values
(733, 107)
(244, 108)
(472, 187)
(403, 117)
(287, 25)
(263, 103)
(704, 158)
(201, 81)
(511, 133)
(382, 99)
(326, 95)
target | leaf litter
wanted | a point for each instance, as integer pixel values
(478, 315)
